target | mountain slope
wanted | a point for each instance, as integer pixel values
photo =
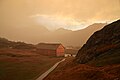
(36, 34)
(104, 42)
(64, 36)
(98, 59)
(30, 34)
(81, 36)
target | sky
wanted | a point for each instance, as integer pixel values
(54, 14)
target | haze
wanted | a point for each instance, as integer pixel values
(54, 14)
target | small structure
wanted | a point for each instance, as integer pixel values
(70, 52)
(51, 49)
(67, 55)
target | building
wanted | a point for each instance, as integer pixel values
(67, 55)
(51, 49)
(71, 52)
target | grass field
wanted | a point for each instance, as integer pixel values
(23, 67)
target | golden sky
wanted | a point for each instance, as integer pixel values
(53, 14)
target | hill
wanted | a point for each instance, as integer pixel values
(5, 43)
(98, 59)
(81, 36)
(64, 36)
(102, 45)
(39, 33)
(31, 34)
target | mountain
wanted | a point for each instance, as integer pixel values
(98, 59)
(81, 36)
(64, 36)
(39, 33)
(62, 30)
(30, 34)
(103, 46)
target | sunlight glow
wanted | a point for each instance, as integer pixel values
(53, 22)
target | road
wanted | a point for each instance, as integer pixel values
(50, 70)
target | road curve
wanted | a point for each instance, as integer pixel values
(50, 70)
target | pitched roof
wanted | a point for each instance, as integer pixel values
(48, 46)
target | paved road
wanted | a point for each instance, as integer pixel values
(50, 70)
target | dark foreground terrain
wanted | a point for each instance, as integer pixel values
(69, 70)
(16, 65)
(21, 61)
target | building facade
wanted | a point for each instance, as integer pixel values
(50, 49)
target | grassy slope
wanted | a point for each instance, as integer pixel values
(69, 70)
(24, 67)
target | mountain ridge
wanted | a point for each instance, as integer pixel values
(35, 35)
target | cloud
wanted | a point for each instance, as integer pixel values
(53, 22)
(77, 14)
(69, 14)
